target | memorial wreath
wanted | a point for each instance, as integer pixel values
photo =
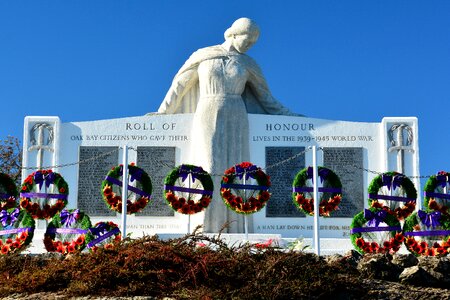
(54, 196)
(112, 186)
(399, 189)
(241, 197)
(427, 234)
(437, 192)
(106, 234)
(368, 236)
(16, 230)
(68, 232)
(331, 192)
(188, 189)
(8, 192)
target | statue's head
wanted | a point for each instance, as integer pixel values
(243, 33)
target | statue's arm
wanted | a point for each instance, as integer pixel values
(180, 85)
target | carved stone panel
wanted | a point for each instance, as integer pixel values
(340, 161)
(157, 162)
(282, 176)
(90, 177)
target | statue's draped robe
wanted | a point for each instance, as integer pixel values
(220, 88)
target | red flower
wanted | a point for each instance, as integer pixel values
(185, 209)
(5, 249)
(264, 196)
(376, 204)
(360, 242)
(62, 190)
(226, 194)
(80, 240)
(71, 248)
(204, 202)
(245, 164)
(300, 199)
(399, 237)
(170, 197)
(225, 179)
(61, 249)
(432, 204)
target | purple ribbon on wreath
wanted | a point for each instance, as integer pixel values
(374, 219)
(249, 172)
(9, 218)
(323, 174)
(99, 229)
(40, 178)
(441, 180)
(184, 171)
(394, 182)
(68, 218)
(429, 219)
(136, 174)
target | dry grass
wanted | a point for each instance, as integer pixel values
(181, 269)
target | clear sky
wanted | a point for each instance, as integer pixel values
(343, 60)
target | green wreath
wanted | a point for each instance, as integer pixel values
(394, 183)
(188, 189)
(419, 230)
(245, 198)
(54, 195)
(437, 192)
(138, 196)
(16, 230)
(330, 192)
(106, 234)
(364, 229)
(8, 192)
(68, 232)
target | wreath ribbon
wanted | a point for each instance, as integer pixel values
(244, 186)
(323, 174)
(68, 218)
(40, 178)
(184, 171)
(9, 218)
(66, 230)
(374, 219)
(442, 180)
(428, 233)
(392, 181)
(375, 229)
(321, 189)
(430, 219)
(391, 198)
(187, 190)
(248, 172)
(5, 196)
(131, 188)
(102, 237)
(436, 195)
(44, 195)
(14, 230)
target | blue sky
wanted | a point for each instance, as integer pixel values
(343, 60)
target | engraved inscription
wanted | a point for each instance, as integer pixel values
(90, 177)
(157, 162)
(282, 176)
(339, 159)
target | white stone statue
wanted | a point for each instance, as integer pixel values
(220, 85)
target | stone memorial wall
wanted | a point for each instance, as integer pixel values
(159, 142)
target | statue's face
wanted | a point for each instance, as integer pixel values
(243, 42)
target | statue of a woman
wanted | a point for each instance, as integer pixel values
(220, 85)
